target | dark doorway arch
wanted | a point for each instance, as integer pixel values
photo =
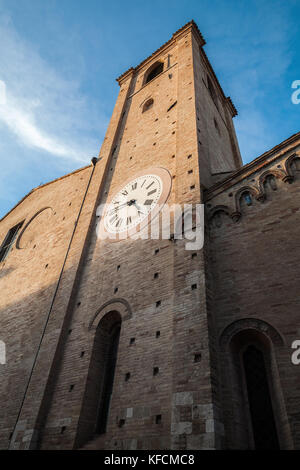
(94, 414)
(259, 399)
(253, 406)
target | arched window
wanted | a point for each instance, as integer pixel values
(100, 380)
(250, 383)
(154, 70)
(247, 198)
(147, 105)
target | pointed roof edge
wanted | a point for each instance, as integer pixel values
(42, 186)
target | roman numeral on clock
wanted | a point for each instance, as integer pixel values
(151, 192)
(128, 220)
(113, 219)
(148, 202)
(134, 186)
(147, 187)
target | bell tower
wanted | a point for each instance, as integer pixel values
(135, 365)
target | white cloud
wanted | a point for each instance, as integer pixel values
(22, 124)
(45, 110)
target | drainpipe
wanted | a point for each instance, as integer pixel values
(94, 161)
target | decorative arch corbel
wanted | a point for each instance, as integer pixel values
(290, 176)
(119, 305)
(279, 174)
(218, 209)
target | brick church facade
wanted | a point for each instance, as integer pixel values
(142, 344)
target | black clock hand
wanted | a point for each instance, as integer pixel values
(115, 209)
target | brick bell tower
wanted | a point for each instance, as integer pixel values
(133, 363)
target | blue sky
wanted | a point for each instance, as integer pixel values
(59, 60)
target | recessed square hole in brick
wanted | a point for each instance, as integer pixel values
(189, 156)
(156, 251)
(158, 303)
(192, 187)
(157, 334)
(121, 423)
(116, 290)
(194, 286)
(156, 276)
(62, 429)
(158, 419)
(197, 357)
(155, 370)
(118, 267)
(127, 376)
(132, 341)
(82, 354)
(71, 388)
(190, 172)
(194, 255)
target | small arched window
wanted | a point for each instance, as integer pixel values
(295, 165)
(247, 198)
(147, 105)
(270, 182)
(155, 70)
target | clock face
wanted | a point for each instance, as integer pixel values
(137, 202)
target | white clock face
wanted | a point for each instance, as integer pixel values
(133, 203)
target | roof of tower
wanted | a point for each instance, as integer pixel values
(191, 24)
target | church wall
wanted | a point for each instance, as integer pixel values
(28, 280)
(254, 260)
